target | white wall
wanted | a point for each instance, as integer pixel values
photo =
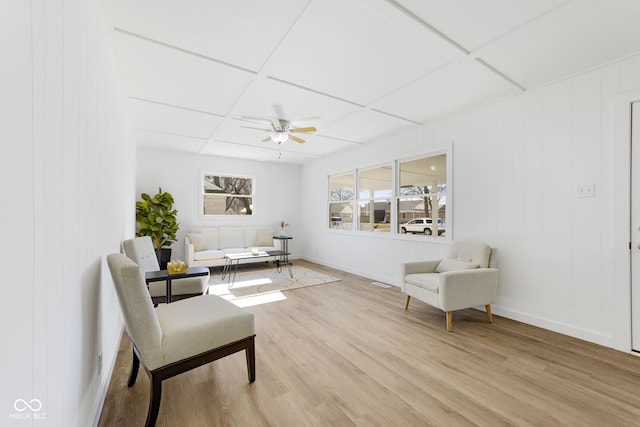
(277, 191)
(517, 164)
(68, 195)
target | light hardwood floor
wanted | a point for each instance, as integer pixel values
(348, 354)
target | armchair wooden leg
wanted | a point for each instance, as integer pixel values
(406, 302)
(154, 400)
(449, 320)
(489, 314)
(250, 353)
(135, 365)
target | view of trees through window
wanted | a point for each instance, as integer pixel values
(368, 200)
(422, 196)
(227, 195)
(341, 197)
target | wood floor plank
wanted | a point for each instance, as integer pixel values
(347, 353)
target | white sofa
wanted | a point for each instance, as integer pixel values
(206, 247)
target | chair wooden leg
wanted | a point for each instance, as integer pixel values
(489, 314)
(135, 365)
(251, 360)
(154, 400)
(406, 302)
(449, 320)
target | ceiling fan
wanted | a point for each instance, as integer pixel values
(281, 131)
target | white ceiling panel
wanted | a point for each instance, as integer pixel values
(473, 23)
(268, 98)
(448, 89)
(266, 153)
(178, 121)
(243, 33)
(173, 77)
(578, 36)
(351, 51)
(167, 141)
(199, 72)
(364, 125)
(316, 146)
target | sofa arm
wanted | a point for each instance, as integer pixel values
(468, 288)
(189, 251)
(419, 267)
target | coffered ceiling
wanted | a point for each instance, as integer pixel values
(202, 74)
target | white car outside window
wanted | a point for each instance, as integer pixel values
(421, 225)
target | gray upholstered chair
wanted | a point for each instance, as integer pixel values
(466, 278)
(177, 337)
(140, 250)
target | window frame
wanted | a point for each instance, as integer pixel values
(202, 194)
(394, 213)
(373, 198)
(448, 218)
(339, 225)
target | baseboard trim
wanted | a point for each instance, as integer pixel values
(106, 379)
(385, 279)
(551, 325)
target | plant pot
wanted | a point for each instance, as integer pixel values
(164, 256)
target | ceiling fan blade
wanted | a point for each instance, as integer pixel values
(296, 139)
(309, 129)
(276, 124)
(267, 139)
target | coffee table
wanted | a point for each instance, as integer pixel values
(280, 257)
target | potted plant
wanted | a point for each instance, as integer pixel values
(156, 218)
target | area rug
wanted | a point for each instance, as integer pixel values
(266, 282)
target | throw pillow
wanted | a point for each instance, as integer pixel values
(199, 241)
(264, 238)
(449, 264)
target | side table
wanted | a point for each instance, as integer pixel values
(284, 242)
(164, 276)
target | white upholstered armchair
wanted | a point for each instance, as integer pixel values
(177, 337)
(466, 278)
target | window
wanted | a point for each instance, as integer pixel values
(408, 196)
(227, 195)
(375, 193)
(422, 195)
(341, 198)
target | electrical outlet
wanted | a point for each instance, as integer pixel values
(99, 363)
(586, 190)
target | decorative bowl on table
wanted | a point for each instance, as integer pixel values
(176, 267)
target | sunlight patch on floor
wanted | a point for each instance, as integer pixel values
(258, 299)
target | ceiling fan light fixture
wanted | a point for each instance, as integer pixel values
(279, 137)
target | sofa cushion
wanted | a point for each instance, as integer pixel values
(208, 254)
(450, 264)
(231, 237)
(428, 281)
(264, 238)
(211, 234)
(198, 241)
